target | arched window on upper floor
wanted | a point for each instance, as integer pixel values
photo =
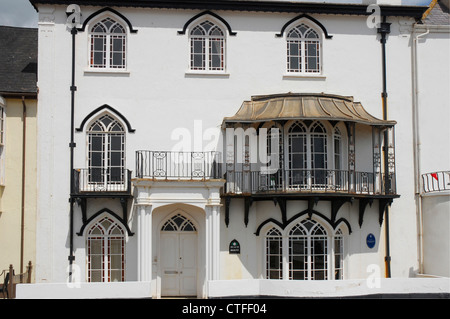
(207, 47)
(106, 153)
(304, 46)
(314, 155)
(108, 42)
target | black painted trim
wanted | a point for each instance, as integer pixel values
(362, 208)
(310, 212)
(320, 25)
(256, 6)
(117, 13)
(101, 108)
(122, 221)
(186, 25)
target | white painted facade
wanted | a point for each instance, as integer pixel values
(161, 99)
(433, 137)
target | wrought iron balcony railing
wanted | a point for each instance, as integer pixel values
(102, 180)
(167, 165)
(308, 180)
(436, 182)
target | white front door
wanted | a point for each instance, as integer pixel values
(178, 260)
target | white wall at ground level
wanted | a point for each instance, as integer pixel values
(318, 288)
(84, 290)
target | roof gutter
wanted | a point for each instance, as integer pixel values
(18, 95)
(255, 6)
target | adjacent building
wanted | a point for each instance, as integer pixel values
(432, 137)
(18, 146)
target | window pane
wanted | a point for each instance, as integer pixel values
(274, 246)
(115, 159)
(216, 63)
(96, 143)
(294, 58)
(319, 161)
(298, 144)
(311, 34)
(116, 246)
(116, 275)
(216, 32)
(294, 64)
(312, 56)
(98, 59)
(303, 29)
(99, 43)
(312, 64)
(338, 274)
(116, 142)
(319, 258)
(98, 50)
(116, 259)
(311, 49)
(198, 62)
(96, 175)
(198, 31)
(96, 160)
(96, 276)
(197, 54)
(297, 256)
(96, 246)
(96, 261)
(294, 48)
(216, 46)
(298, 247)
(108, 23)
(116, 174)
(207, 25)
(274, 258)
(117, 60)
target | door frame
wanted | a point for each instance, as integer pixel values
(199, 247)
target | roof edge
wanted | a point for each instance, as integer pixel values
(248, 5)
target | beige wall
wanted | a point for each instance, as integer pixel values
(11, 190)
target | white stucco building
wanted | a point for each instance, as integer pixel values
(176, 106)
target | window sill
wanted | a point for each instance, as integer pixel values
(304, 75)
(207, 73)
(106, 71)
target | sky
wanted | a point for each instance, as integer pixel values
(20, 13)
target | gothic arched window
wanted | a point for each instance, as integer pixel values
(308, 250)
(207, 47)
(108, 45)
(303, 50)
(105, 244)
(106, 152)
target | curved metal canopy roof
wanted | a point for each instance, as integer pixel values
(304, 106)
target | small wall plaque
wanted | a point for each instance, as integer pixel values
(235, 247)
(370, 241)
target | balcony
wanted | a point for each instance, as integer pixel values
(305, 181)
(436, 182)
(102, 182)
(182, 166)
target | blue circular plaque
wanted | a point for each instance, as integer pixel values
(370, 240)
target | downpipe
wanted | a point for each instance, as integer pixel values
(22, 204)
(383, 30)
(417, 142)
(72, 145)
